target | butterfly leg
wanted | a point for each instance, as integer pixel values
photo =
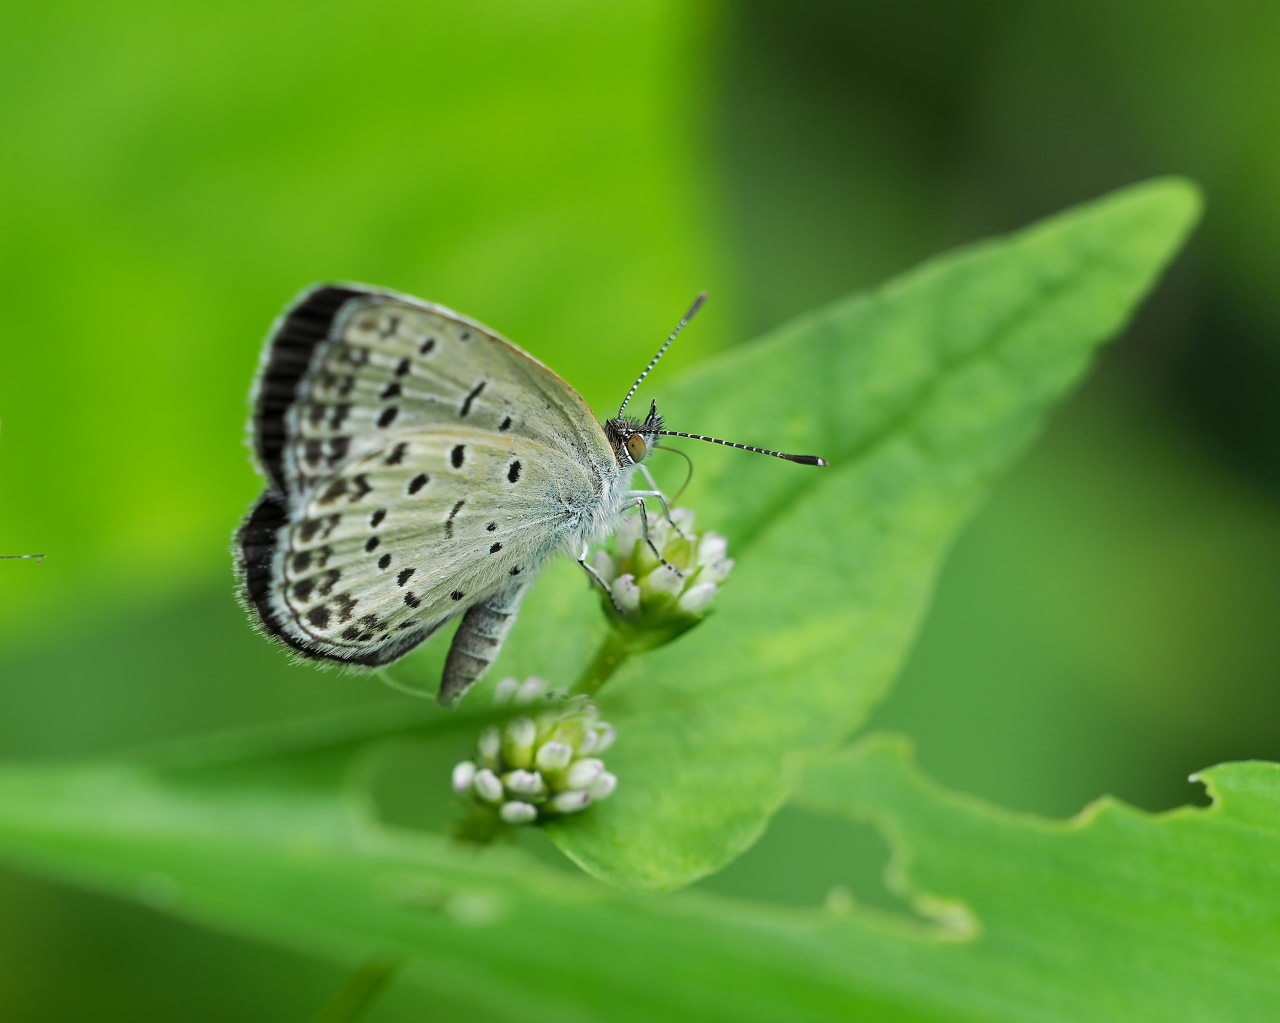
(654, 491)
(477, 641)
(595, 576)
(648, 537)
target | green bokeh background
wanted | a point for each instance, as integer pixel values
(572, 173)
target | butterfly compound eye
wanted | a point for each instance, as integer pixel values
(637, 448)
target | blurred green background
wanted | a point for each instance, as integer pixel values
(571, 174)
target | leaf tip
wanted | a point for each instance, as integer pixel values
(1177, 201)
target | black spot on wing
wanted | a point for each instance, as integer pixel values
(471, 396)
(513, 471)
(309, 528)
(457, 454)
(397, 454)
(328, 581)
(448, 523)
(333, 491)
(376, 518)
(418, 482)
(344, 604)
(360, 486)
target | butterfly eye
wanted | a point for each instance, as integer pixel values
(637, 447)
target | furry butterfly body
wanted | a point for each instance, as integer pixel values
(419, 468)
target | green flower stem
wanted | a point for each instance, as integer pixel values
(359, 993)
(481, 826)
(611, 655)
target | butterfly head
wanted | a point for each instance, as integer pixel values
(633, 439)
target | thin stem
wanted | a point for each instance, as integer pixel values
(359, 993)
(480, 827)
(609, 658)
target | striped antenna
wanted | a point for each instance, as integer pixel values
(697, 304)
(802, 459)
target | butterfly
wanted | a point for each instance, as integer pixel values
(420, 468)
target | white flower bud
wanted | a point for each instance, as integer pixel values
(697, 598)
(603, 564)
(570, 802)
(603, 786)
(626, 593)
(605, 734)
(664, 579)
(504, 692)
(523, 783)
(463, 775)
(553, 756)
(489, 746)
(717, 572)
(584, 772)
(518, 813)
(712, 548)
(629, 533)
(532, 691)
(487, 786)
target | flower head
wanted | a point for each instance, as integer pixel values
(542, 762)
(657, 596)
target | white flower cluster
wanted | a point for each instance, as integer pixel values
(651, 593)
(542, 762)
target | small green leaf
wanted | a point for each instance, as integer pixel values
(918, 394)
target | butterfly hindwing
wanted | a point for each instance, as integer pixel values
(371, 560)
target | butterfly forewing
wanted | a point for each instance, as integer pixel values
(378, 362)
(421, 464)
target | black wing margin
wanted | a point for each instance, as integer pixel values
(303, 326)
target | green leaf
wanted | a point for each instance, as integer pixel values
(918, 394)
(1116, 915)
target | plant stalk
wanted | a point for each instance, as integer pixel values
(610, 656)
(359, 993)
